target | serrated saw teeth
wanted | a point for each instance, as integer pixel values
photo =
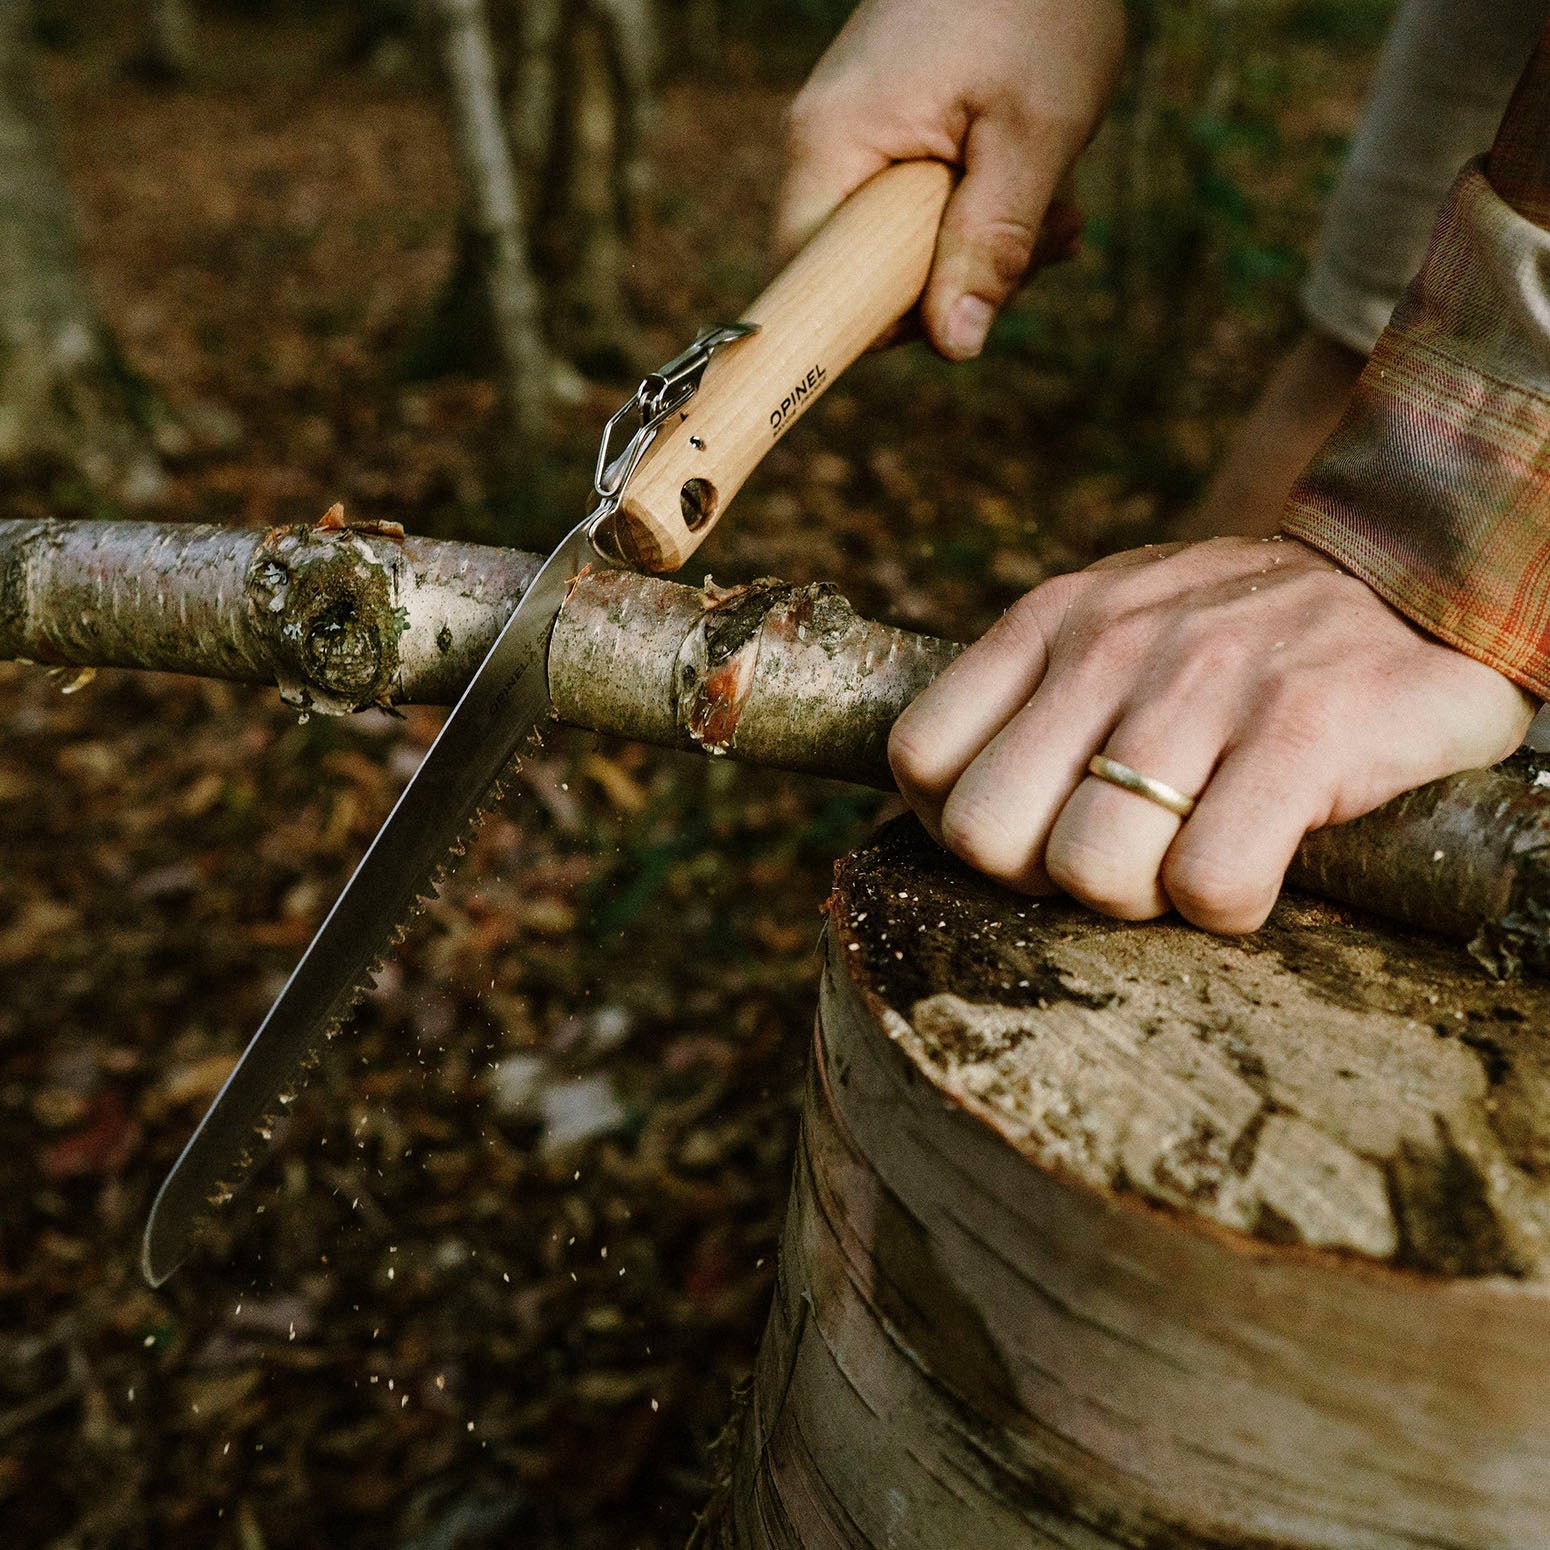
(240, 1164)
(243, 1162)
(431, 825)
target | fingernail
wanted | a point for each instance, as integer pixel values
(967, 325)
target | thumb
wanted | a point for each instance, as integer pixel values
(825, 163)
(988, 234)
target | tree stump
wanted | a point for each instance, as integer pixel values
(1107, 1235)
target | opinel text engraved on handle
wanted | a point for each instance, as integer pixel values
(858, 276)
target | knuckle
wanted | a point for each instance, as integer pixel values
(1004, 245)
(1037, 617)
(1217, 896)
(1100, 879)
(811, 119)
(915, 757)
(1059, 594)
(1025, 622)
(975, 829)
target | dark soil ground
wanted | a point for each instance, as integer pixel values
(507, 1262)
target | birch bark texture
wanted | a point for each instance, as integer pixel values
(67, 399)
(1105, 1236)
(343, 617)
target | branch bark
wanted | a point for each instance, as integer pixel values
(346, 617)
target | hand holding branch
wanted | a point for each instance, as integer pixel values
(1252, 675)
(347, 617)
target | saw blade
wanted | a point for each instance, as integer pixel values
(430, 823)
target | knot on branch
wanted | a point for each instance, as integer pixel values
(323, 599)
(716, 667)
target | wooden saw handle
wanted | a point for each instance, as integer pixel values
(862, 272)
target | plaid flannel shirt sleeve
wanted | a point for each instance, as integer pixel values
(1435, 486)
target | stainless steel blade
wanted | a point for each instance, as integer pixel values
(505, 700)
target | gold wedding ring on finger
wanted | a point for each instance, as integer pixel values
(1127, 779)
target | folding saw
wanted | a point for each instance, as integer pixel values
(670, 460)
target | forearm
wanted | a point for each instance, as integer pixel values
(1299, 406)
(1441, 87)
(1435, 488)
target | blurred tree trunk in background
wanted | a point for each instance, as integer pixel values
(701, 23)
(596, 176)
(382, 39)
(67, 398)
(493, 249)
(580, 111)
(1180, 220)
(166, 55)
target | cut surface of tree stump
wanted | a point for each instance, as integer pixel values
(1110, 1235)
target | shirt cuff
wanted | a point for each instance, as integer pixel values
(1435, 486)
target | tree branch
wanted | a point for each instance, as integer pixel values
(785, 676)
(346, 617)
(340, 618)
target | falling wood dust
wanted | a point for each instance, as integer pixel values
(1325, 1081)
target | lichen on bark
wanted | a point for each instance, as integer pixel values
(328, 612)
(350, 616)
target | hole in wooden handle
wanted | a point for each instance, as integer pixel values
(697, 500)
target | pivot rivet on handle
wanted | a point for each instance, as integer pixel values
(661, 394)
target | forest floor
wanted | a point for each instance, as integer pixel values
(509, 1259)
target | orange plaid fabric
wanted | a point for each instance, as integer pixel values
(1435, 487)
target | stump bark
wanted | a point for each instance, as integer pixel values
(1107, 1235)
